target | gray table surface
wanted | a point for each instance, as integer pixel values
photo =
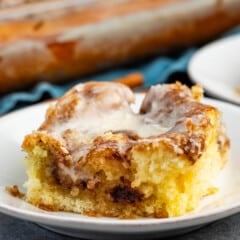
(15, 229)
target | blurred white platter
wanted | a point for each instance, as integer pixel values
(216, 67)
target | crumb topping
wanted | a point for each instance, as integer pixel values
(97, 118)
(14, 191)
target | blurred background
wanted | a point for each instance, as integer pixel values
(47, 46)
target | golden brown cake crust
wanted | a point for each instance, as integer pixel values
(93, 140)
(175, 110)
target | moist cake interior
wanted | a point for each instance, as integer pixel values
(93, 155)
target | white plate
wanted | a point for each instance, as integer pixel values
(216, 67)
(226, 202)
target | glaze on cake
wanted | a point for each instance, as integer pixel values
(93, 155)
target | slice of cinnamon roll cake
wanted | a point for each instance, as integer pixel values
(93, 155)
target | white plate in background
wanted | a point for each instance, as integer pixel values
(226, 202)
(216, 67)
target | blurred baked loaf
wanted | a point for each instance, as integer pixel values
(58, 40)
(93, 155)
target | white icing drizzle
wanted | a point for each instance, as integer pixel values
(111, 113)
(105, 108)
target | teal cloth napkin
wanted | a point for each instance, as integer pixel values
(155, 71)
